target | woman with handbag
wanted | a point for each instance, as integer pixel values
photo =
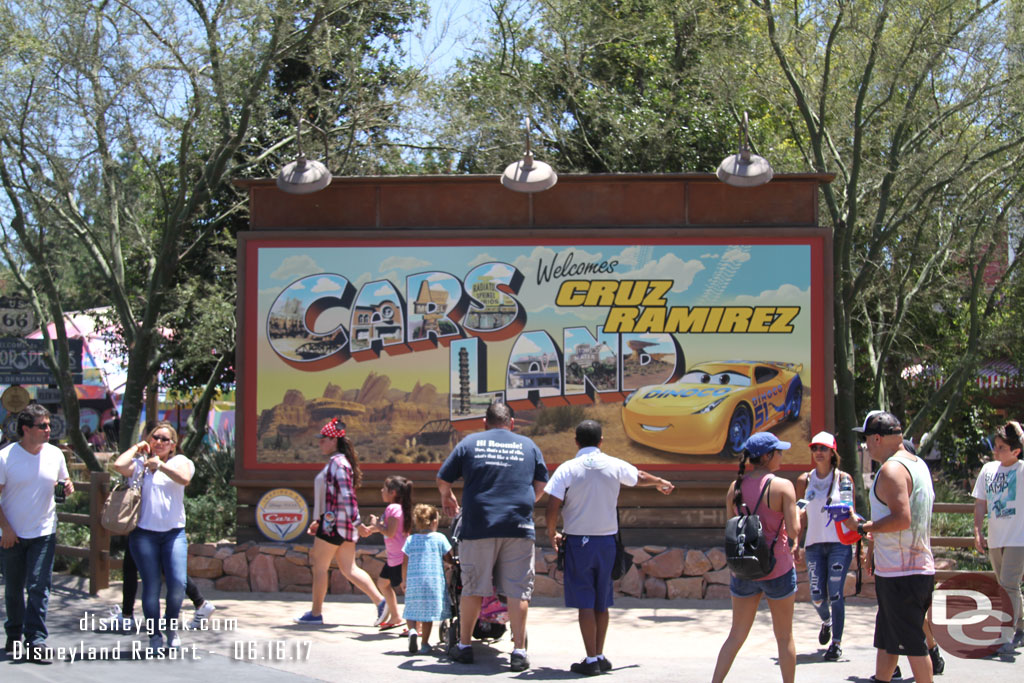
(335, 526)
(781, 524)
(158, 542)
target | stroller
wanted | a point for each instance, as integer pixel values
(491, 624)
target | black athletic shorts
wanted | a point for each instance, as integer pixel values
(392, 574)
(903, 603)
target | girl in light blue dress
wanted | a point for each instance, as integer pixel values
(426, 599)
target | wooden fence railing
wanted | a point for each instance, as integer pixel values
(98, 551)
(955, 541)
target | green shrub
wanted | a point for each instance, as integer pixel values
(210, 500)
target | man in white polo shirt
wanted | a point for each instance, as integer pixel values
(29, 471)
(588, 485)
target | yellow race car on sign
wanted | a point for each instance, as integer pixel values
(714, 407)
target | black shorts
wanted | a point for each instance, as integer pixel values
(392, 574)
(903, 603)
(332, 538)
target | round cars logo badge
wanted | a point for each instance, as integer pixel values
(282, 515)
(971, 615)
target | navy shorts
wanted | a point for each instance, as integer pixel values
(774, 589)
(588, 572)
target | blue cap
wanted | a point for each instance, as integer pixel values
(764, 443)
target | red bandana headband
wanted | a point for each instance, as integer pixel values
(332, 430)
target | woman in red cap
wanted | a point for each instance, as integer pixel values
(828, 556)
(336, 522)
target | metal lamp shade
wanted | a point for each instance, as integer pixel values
(529, 175)
(303, 176)
(744, 170)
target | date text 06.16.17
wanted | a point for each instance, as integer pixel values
(271, 650)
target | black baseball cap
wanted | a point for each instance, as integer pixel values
(880, 422)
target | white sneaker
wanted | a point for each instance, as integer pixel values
(202, 613)
(175, 640)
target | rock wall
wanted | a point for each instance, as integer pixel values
(657, 571)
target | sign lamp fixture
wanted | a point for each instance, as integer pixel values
(304, 176)
(528, 174)
(744, 169)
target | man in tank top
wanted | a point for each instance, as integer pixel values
(900, 528)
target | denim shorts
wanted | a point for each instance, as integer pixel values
(774, 589)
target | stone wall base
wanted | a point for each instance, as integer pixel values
(657, 572)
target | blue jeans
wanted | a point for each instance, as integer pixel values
(153, 552)
(827, 564)
(28, 565)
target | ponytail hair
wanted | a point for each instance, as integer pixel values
(402, 488)
(346, 448)
(737, 496)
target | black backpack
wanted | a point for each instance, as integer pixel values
(747, 552)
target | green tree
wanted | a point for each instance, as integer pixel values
(119, 126)
(907, 104)
(609, 87)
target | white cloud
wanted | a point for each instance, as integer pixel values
(498, 270)
(786, 294)
(737, 254)
(668, 267)
(384, 290)
(294, 267)
(326, 284)
(711, 256)
(524, 347)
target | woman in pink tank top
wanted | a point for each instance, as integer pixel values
(778, 514)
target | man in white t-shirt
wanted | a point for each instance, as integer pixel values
(29, 471)
(588, 485)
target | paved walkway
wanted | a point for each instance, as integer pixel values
(649, 640)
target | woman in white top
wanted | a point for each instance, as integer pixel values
(999, 491)
(158, 543)
(827, 558)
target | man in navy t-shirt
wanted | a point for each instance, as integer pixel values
(503, 475)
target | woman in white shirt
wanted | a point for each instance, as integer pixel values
(158, 543)
(999, 491)
(827, 558)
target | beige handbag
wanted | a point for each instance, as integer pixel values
(122, 508)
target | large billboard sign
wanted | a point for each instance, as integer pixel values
(680, 347)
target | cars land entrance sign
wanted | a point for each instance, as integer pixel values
(680, 347)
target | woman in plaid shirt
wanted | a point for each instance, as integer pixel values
(336, 521)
